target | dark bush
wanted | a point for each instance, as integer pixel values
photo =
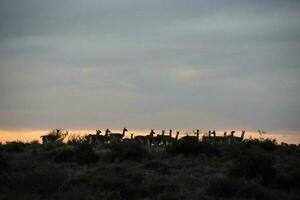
(222, 187)
(186, 146)
(64, 155)
(226, 187)
(295, 174)
(158, 167)
(84, 154)
(159, 186)
(170, 196)
(290, 178)
(266, 144)
(127, 183)
(254, 164)
(14, 147)
(49, 146)
(129, 151)
(190, 146)
(3, 162)
(269, 144)
(42, 180)
(76, 139)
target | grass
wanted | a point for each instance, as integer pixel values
(187, 169)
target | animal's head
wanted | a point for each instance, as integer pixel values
(107, 131)
(232, 132)
(152, 131)
(125, 129)
(98, 132)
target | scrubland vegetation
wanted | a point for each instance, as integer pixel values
(186, 169)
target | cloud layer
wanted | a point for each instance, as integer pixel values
(181, 64)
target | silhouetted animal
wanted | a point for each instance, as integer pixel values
(166, 139)
(171, 139)
(55, 136)
(189, 137)
(207, 138)
(145, 139)
(217, 139)
(97, 138)
(159, 139)
(239, 139)
(114, 137)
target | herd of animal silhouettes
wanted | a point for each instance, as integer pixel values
(152, 139)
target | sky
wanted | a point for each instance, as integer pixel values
(150, 64)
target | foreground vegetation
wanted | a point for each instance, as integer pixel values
(186, 169)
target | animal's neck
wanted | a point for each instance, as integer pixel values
(123, 132)
(243, 133)
(177, 134)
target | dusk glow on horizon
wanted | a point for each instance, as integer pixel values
(33, 135)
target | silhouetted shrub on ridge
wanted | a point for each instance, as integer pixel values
(14, 147)
(225, 187)
(76, 139)
(42, 181)
(266, 144)
(64, 155)
(158, 167)
(129, 151)
(3, 162)
(190, 146)
(84, 154)
(254, 164)
(289, 177)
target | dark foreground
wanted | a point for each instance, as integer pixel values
(253, 169)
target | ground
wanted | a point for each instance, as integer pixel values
(253, 169)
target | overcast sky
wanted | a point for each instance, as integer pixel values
(150, 64)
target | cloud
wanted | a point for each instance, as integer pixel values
(187, 64)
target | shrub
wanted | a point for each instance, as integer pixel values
(226, 187)
(290, 177)
(254, 164)
(64, 155)
(3, 162)
(159, 167)
(269, 144)
(129, 151)
(159, 186)
(222, 187)
(14, 147)
(42, 180)
(84, 154)
(185, 146)
(189, 146)
(76, 139)
(266, 144)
